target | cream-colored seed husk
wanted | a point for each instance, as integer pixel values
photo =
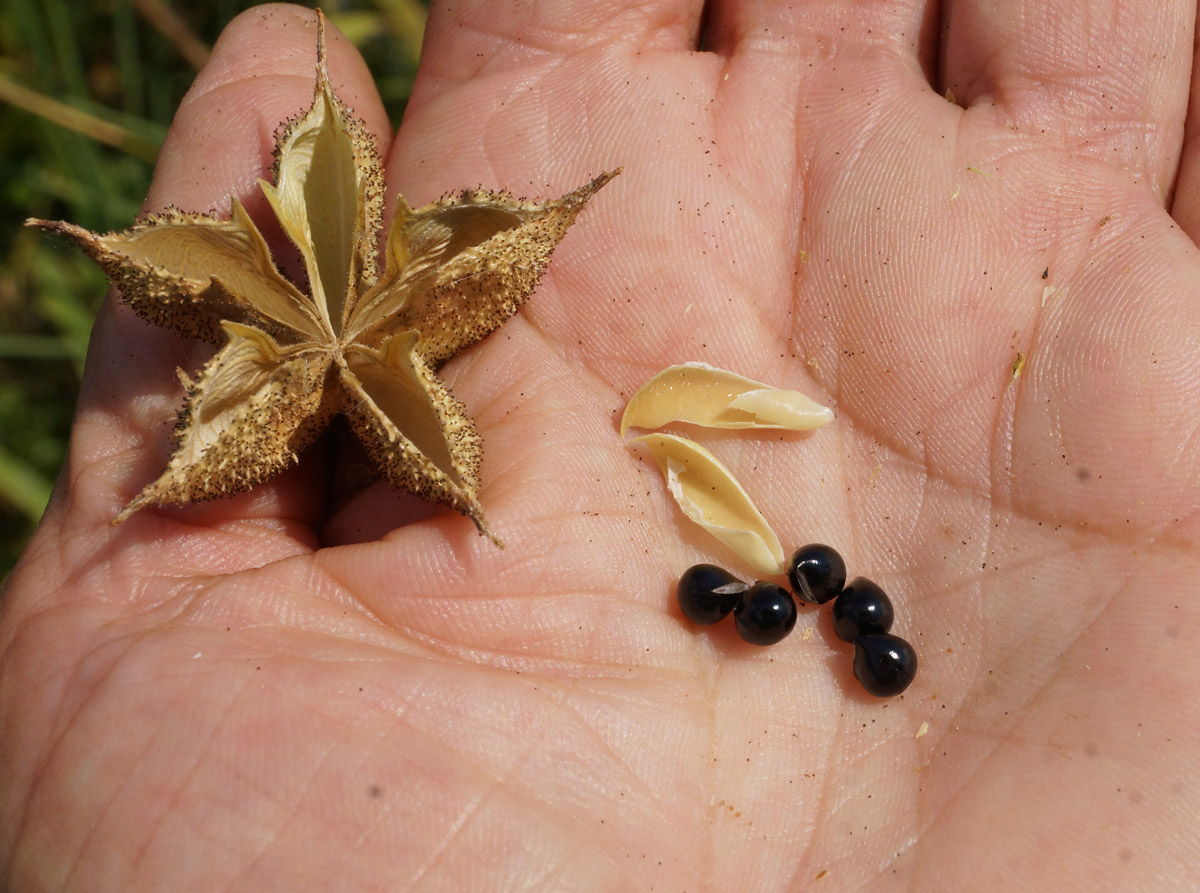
(700, 394)
(712, 497)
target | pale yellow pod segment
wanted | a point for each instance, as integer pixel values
(712, 497)
(701, 394)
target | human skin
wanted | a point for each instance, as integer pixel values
(293, 689)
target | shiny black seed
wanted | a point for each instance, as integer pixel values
(708, 593)
(884, 664)
(817, 573)
(861, 609)
(765, 614)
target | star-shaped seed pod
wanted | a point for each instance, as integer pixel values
(361, 342)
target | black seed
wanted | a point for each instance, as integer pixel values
(884, 664)
(765, 614)
(708, 593)
(817, 573)
(861, 609)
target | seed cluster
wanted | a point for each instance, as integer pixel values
(764, 613)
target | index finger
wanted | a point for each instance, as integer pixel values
(1108, 79)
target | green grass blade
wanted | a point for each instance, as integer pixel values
(22, 487)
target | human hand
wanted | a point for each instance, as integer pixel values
(204, 697)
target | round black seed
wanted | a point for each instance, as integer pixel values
(861, 609)
(765, 614)
(817, 573)
(884, 664)
(708, 593)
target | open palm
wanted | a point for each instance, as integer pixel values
(295, 690)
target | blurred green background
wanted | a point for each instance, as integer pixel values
(87, 90)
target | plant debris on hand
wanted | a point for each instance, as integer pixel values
(362, 342)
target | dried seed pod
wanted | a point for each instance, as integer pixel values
(360, 342)
(701, 394)
(712, 497)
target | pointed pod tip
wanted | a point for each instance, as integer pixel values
(85, 239)
(123, 515)
(484, 530)
(573, 202)
(599, 181)
(57, 226)
(322, 68)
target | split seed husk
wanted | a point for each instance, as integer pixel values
(712, 497)
(700, 394)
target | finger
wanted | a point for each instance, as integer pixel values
(813, 77)
(1107, 78)
(1185, 207)
(464, 41)
(261, 73)
(833, 33)
(488, 101)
